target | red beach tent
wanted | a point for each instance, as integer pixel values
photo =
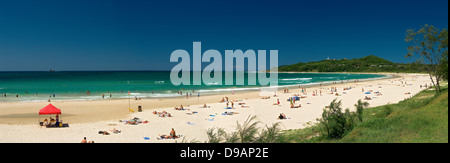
(49, 109)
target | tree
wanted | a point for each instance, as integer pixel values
(249, 132)
(335, 122)
(431, 45)
(443, 65)
(360, 108)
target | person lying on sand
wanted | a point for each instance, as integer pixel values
(162, 114)
(193, 112)
(114, 130)
(180, 108)
(243, 106)
(367, 98)
(407, 93)
(103, 132)
(205, 106)
(230, 113)
(163, 136)
(131, 122)
(282, 116)
(265, 98)
(378, 93)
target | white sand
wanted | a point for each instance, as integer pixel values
(392, 89)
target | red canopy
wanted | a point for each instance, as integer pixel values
(49, 109)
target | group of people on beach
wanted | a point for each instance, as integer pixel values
(52, 122)
(180, 108)
(282, 116)
(172, 135)
(4, 95)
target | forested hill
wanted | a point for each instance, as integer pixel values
(369, 63)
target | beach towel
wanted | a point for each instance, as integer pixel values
(189, 123)
(146, 138)
(228, 108)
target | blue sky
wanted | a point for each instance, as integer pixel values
(141, 34)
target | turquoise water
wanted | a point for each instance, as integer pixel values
(41, 86)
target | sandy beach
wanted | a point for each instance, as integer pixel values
(19, 120)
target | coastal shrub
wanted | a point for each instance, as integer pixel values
(248, 132)
(360, 109)
(271, 134)
(334, 122)
(215, 135)
(420, 119)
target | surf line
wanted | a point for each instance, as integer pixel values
(199, 76)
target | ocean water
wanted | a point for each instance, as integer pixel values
(72, 85)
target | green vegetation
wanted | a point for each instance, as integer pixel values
(248, 132)
(420, 119)
(366, 64)
(335, 123)
(431, 46)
